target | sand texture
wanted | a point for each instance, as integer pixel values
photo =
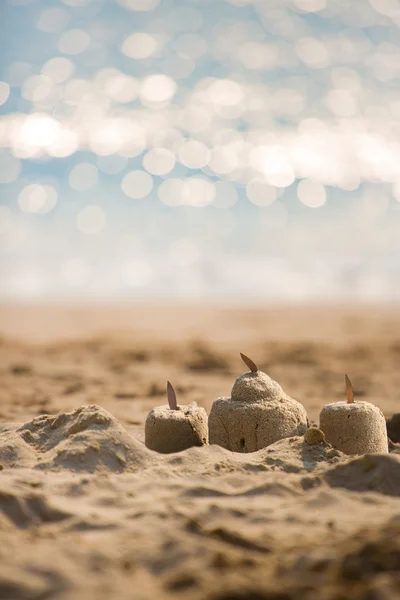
(88, 512)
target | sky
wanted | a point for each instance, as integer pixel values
(206, 150)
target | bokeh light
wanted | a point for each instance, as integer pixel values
(151, 135)
(260, 192)
(53, 19)
(140, 46)
(35, 198)
(59, 69)
(139, 5)
(4, 92)
(91, 219)
(311, 193)
(159, 161)
(137, 184)
(157, 89)
(194, 154)
(73, 41)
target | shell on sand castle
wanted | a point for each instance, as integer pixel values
(354, 428)
(168, 430)
(257, 414)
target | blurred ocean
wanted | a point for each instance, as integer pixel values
(241, 150)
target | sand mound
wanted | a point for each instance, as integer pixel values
(14, 451)
(371, 472)
(289, 455)
(87, 439)
(295, 455)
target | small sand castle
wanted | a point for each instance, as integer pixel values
(354, 427)
(257, 414)
(173, 427)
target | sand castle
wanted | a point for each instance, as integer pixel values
(173, 427)
(257, 414)
(354, 427)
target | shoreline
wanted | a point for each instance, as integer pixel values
(45, 322)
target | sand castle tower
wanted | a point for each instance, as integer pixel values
(175, 427)
(354, 427)
(257, 414)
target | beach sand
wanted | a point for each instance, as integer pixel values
(88, 512)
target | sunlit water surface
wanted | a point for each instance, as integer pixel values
(210, 149)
